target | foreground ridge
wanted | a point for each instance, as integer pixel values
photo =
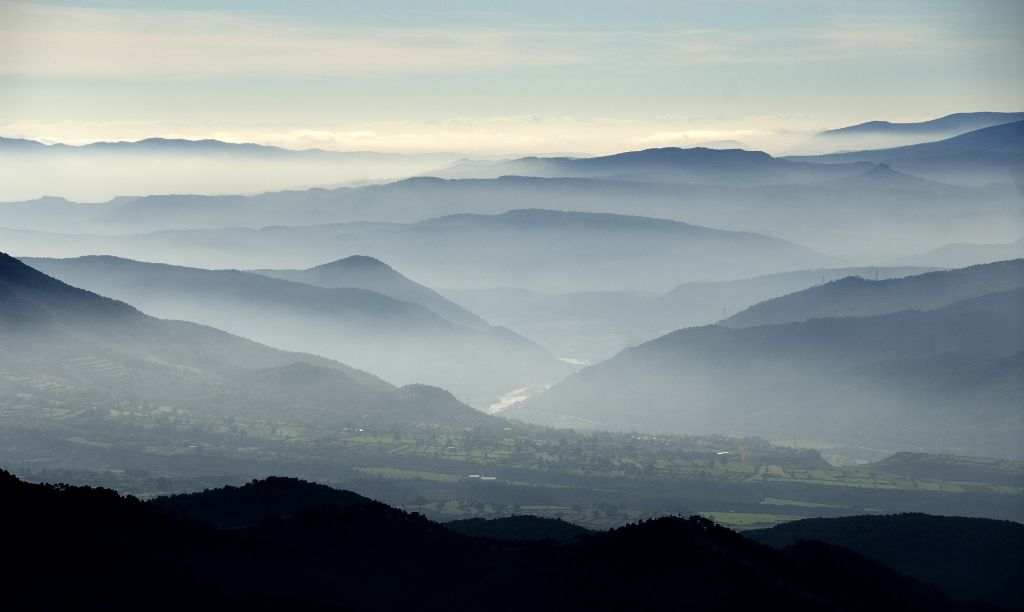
(308, 545)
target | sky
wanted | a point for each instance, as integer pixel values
(496, 78)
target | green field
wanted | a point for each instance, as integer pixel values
(597, 479)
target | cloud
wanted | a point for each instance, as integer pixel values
(62, 41)
(692, 137)
(490, 136)
(54, 41)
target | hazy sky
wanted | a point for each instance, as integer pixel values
(498, 77)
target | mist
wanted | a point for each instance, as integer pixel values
(672, 377)
(103, 171)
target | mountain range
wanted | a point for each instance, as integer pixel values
(103, 170)
(989, 155)
(594, 325)
(533, 249)
(945, 379)
(883, 134)
(855, 296)
(878, 211)
(64, 346)
(736, 167)
(362, 272)
(404, 342)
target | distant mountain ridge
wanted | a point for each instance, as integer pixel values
(858, 297)
(737, 167)
(402, 341)
(534, 249)
(1002, 138)
(882, 176)
(200, 146)
(594, 325)
(915, 376)
(860, 213)
(886, 134)
(956, 122)
(362, 272)
(990, 154)
(84, 345)
(99, 171)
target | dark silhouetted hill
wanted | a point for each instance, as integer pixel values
(969, 558)
(258, 501)
(523, 527)
(109, 552)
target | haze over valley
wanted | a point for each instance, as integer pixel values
(381, 306)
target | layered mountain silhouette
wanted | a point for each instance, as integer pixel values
(946, 379)
(883, 178)
(293, 544)
(65, 345)
(673, 165)
(854, 296)
(202, 147)
(991, 154)
(362, 272)
(103, 170)
(1002, 138)
(534, 249)
(951, 125)
(885, 212)
(401, 341)
(594, 325)
(879, 134)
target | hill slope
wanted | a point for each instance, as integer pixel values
(400, 341)
(352, 555)
(881, 134)
(66, 346)
(970, 558)
(372, 274)
(594, 325)
(948, 379)
(857, 297)
(956, 123)
(991, 154)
